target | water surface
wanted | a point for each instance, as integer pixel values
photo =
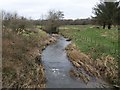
(57, 67)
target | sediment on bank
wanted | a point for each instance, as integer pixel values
(105, 67)
(21, 56)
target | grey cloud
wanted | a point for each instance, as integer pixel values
(34, 8)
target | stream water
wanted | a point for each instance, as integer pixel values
(57, 67)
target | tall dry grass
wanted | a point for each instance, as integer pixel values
(105, 67)
(19, 67)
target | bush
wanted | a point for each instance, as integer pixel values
(53, 21)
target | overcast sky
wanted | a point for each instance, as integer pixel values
(72, 9)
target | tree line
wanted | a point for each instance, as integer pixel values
(50, 24)
(86, 21)
(106, 13)
(14, 21)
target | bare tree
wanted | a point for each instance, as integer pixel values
(53, 21)
(14, 21)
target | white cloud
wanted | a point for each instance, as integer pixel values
(34, 8)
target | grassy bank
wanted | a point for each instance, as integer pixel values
(21, 55)
(93, 41)
(95, 50)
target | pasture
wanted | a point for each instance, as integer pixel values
(93, 41)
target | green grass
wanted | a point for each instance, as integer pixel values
(93, 41)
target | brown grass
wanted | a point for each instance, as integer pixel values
(20, 68)
(105, 67)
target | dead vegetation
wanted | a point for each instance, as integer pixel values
(80, 75)
(105, 67)
(21, 56)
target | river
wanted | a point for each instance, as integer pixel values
(57, 67)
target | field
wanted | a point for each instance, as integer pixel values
(94, 49)
(22, 51)
(93, 41)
